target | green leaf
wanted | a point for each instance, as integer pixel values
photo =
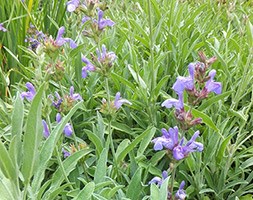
(213, 100)
(7, 190)
(101, 169)
(146, 141)
(155, 192)
(249, 31)
(132, 145)
(122, 146)
(137, 78)
(32, 137)
(69, 164)
(6, 164)
(16, 130)
(86, 192)
(95, 140)
(247, 163)
(135, 187)
(48, 148)
(205, 118)
(222, 149)
(164, 189)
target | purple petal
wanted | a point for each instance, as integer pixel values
(58, 117)
(2, 28)
(105, 22)
(84, 72)
(71, 91)
(72, 5)
(180, 194)
(85, 19)
(178, 152)
(183, 83)
(156, 180)
(46, 132)
(68, 130)
(103, 55)
(164, 175)
(60, 33)
(31, 88)
(65, 153)
(191, 68)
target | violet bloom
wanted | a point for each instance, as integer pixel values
(59, 41)
(169, 139)
(118, 102)
(2, 28)
(29, 95)
(178, 104)
(211, 85)
(72, 5)
(102, 23)
(74, 96)
(85, 19)
(87, 67)
(58, 101)
(58, 117)
(159, 181)
(46, 131)
(180, 151)
(185, 83)
(105, 57)
(68, 130)
(65, 153)
(180, 194)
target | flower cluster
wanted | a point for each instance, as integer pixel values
(180, 194)
(110, 109)
(197, 85)
(169, 140)
(102, 63)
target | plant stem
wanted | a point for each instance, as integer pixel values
(62, 168)
(173, 174)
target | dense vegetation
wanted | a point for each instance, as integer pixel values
(83, 94)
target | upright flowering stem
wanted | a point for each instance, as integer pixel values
(110, 140)
(152, 68)
(173, 168)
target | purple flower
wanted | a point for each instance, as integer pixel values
(65, 153)
(118, 102)
(178, 104)
(103, 56)
(87, 67)
(58, 117)
(59, 41)
(68, 130)
(72, 5)
(159, 181)
(58, 101)
(102, 23)
(46, 131)
(180, 194)
(29, 95)
(2, 28)
(180, 151)
(85, 19)
(169, 139)
(74, 96)
(211, 85)
(183, 83)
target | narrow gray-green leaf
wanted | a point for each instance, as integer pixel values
(135, 187)
(86, 192)
(100, 172)
(48, 148)
(32, 137)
